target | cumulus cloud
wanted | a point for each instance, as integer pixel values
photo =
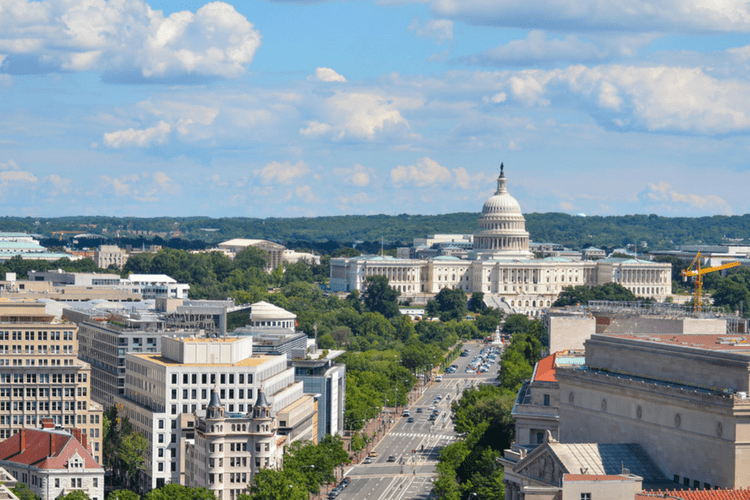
(326, 75)
(594, 15)
(426, 172)
(282, 173)
(126, 37)
(671, 200)
(362, 115)
(538, 48)
(315, 128)
(144, 187)
(305, 193)
(438, 29)
(138, 138)
(659, 98)
(358, 175)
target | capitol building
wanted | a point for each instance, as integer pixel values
(498, 262)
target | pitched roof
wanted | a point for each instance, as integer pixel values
(545, 370)
(696, 494)
(44, 449)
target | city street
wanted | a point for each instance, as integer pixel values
(415, 446)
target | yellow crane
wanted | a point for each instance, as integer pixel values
(694, 269)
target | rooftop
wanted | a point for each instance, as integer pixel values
(545, 370)
(251, 361)
(732, 343)
(596, 477)
(695, 494)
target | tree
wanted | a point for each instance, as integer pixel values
(476, 302)
(23, 492)
(174, 491)
(379, 297)
(449, 304)
(273, 484)
(123, 495)
(251, 257)
(489, 319)
(572, 295)
(76, 495)
(731, 294)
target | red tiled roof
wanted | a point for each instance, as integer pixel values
(44, 449)
(696, 494)
(720, 342)
(594, 477)
(545, 370)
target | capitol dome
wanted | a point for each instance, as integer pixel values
(502, 228)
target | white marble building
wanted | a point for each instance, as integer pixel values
(501, 264)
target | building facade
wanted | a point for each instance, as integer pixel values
(52, 462)
(230, 448)
(501, 264)
(683, 398)
(41, 375)
(163, 390)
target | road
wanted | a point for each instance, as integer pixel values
(411, 475)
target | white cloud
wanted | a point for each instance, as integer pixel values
(358, 175)
(326, 75)
(127, 36)
(305, 193)
(9, 176)
(426, 172)
(315, 128)
(144, 187)
(595, 15)
(670, 200)
(362, 115)
(439, 29)
(659, 98)
(139, 138)
(282, 173)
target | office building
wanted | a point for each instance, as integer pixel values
(41, 375)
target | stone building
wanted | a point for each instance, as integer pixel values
(230, 448)
(41, 375)
(501, 264)
(107, 256)
(163, 390)
(682, 398)
(52, 462)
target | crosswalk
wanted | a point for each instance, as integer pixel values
(418, 434)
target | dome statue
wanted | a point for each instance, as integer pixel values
(502, 228)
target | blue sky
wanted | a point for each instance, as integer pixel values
(285, 109)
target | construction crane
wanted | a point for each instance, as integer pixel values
(694, 269)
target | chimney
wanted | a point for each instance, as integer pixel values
(80, 436)
(22, 440)
(47, 423)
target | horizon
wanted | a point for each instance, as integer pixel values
(277, 109)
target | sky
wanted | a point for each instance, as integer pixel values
(265, 108)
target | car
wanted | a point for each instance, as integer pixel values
(464, 354)
(346, 481)
(368, 460)
(433, 407)
(439, 378)
(406, 413)
(439, 397)
(436, 412)
(391, 458)
(433, 417)
(372, 454)
(419, 410)
(410, 419)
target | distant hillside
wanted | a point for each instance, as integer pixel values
(575, 232)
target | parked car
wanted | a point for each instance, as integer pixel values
(346, 481)
(410, 420)
(391, 458)
(419, 410)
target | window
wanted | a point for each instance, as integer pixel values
(539, 437)
(96, 482)
(585, 496)
(686, 481)
(546, 400)
(676, 479)
(696, 485)
(57, 482)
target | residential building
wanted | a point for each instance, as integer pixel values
(497, 261)
(52, 462)
(41, 375)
